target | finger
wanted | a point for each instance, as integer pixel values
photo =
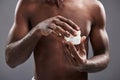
(54, 34)
(64, 32)
(70, 22)
(66, 48)
(59, 31)
(68, 54)
(74, 51)
(65, 26)
(83, 38)
(52, 26)
(82, 46)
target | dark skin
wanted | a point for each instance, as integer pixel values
(37, 26)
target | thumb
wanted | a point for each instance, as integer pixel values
(83, 38)
(82, 46)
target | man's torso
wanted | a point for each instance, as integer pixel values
(50, 59)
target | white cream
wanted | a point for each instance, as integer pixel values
(74, 39)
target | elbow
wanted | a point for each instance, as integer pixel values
(105, 62)
(10, 64)
(8, 57)
(104, 66)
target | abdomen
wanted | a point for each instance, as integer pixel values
(51, 62)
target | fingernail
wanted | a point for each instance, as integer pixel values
(78, 28)
(75, 33)
(68, 35)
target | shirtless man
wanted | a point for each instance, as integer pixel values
(41, 25)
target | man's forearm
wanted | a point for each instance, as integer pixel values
(95, 64)
(19, 51)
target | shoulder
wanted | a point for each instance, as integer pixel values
(21, 6)
(97, 6)
(98, 12)
(26, 6)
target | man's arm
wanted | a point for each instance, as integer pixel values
(99, 41)
(100, 44)
(21, 42)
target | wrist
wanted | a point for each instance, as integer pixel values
(37, 33)
(83, 67)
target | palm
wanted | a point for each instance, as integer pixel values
(76, 56)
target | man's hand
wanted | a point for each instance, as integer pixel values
(57, 25)
(76, 55)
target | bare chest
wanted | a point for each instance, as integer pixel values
(77, 13)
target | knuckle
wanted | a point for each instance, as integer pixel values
(64, 24)
(71, 31)
(52, 26)
(65, 33)
(55, 20)
(58, 16)
(68, 20)
(84, 50)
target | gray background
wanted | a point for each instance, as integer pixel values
(26, 70)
